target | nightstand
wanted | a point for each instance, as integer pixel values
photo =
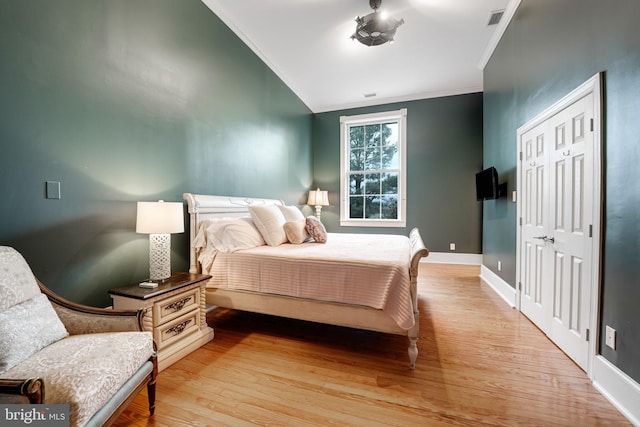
(175, 314)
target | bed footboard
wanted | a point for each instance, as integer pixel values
(418, 251)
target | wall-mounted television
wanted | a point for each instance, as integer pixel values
(487, 186)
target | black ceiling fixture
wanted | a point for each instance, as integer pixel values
(375, 28)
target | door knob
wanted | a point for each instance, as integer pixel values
(546, 239)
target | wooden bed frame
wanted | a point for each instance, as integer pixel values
(202, 207)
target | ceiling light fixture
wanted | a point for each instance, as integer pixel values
(376, 28)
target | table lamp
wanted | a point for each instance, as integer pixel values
(159, 220)
(318, 199)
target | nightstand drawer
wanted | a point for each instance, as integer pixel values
(176, 329)
(176, 306)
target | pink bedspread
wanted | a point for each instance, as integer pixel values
(363, 269)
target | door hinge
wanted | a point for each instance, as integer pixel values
(519, 286)
(520, 221)
(521, 156)
(590, 230)
(591, 125)
(586, 334)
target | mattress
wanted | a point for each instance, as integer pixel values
(359, 269)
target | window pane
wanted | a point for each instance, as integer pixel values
(356, 206)
(356, 162)
(389, 183)
(373, 159)
(390, 145)
(390, 158)
(372, 183)
(372, 135)
(389, 207)
(356, 183)
(390, 133)
(372, 207)
(356, 137)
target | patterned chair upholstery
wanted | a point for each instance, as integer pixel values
(53, 351)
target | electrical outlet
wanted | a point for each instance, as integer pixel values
(611, 337)
(452, 246)
(499, 265)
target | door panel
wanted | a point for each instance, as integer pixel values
(571, 181)
(534, 262)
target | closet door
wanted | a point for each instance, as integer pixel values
(570, 240)
(558, 203)
(534, 258)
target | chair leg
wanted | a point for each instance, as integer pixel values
(151, 390)
(151, 386)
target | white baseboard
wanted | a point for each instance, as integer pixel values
(501, 287)
(620, 389)
(453, 258)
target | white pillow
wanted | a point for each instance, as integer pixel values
(26, 328)
(270, 220)
(235, 235)
(208, 227)
(296, 231)
(291, 213)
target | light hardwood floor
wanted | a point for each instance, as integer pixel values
(481, 363)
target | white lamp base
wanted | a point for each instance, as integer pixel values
(159, 256)
(318, 211)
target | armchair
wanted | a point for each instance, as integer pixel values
(54, 351)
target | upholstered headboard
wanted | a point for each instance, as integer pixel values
(202, 207)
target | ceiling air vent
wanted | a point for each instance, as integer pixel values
(495, 16)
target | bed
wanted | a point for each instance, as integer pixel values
(363, 281)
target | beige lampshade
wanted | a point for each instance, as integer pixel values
(159, 218)
(318, 198)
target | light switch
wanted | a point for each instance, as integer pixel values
(53, 190)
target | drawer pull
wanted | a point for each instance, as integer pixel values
(179, 328)
(177, 306)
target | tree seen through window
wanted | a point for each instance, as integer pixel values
(373, 171)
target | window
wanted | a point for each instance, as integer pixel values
(372, 171)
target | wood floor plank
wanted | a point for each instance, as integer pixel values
(481, 363)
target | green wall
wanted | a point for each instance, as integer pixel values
(444, 152)
(550, 48)
(127, 100)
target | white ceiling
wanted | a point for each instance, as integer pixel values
(440, 50)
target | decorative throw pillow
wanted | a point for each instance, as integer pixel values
(269, 220)
(17, 282)
(316, 230)
(296, 231)
(291, 213)
(26, 328)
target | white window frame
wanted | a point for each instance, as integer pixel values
(345, 123)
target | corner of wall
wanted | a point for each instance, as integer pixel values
(501, 287)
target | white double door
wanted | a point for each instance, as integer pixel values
(556, 207)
